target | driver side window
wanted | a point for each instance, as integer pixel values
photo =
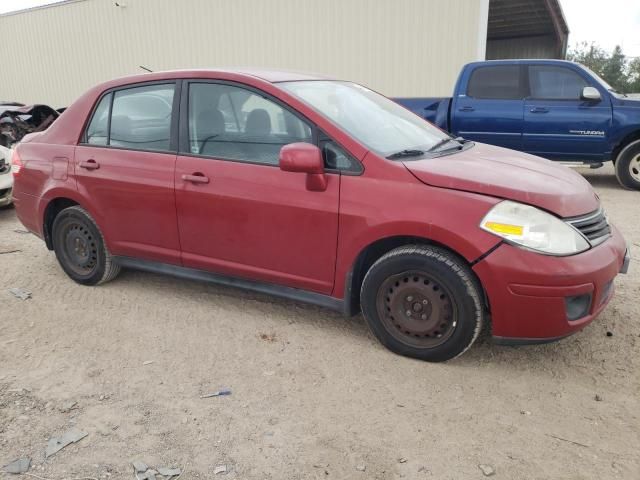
(234, 123)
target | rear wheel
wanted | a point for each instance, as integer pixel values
(422, 302)
(80, 248)
(628, 166)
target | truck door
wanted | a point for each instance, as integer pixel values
(558, 122)
(490, 108)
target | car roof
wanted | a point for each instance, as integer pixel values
(235, 73)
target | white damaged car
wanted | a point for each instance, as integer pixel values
(6, 177)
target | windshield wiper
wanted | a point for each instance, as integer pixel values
(444, 141)
(405, 153)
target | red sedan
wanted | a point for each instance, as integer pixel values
(322, 191)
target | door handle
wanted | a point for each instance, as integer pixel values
(90, 164)
(196, 178)
(466, 108)
(539, 110)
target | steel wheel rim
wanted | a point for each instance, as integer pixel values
(416, 309)
(79, 248)
(634, 168)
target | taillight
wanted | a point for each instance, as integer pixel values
(16, 163)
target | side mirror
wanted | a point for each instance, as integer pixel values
(305, 158)
(590, 93)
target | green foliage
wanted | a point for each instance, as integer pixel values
(615, 68)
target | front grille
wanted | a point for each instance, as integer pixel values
(594, 226)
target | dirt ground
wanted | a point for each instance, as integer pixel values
(313, 395)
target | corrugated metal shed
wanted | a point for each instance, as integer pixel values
(401, 47)
(526, 29)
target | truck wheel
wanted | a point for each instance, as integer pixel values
(80, 248)
(422, 302)
(628, 166)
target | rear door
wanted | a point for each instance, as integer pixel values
(125, 167)
(559, 124)
(238, 213)
(490, 110)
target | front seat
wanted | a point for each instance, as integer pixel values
(258, 123)
(209, 125)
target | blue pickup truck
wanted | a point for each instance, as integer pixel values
(551, 108)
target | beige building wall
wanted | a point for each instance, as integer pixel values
(398, 47)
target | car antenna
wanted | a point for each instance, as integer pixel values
(145, 68)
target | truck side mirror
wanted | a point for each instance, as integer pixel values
(590, 93)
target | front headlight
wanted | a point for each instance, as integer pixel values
(533, 228)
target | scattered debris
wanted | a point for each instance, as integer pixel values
(269, 337)
(487, 470)
(147, 362)
(139, 467)
(20, 230)
(68, 406)
(219, 393)
(567, 440)
(3, 252)
(609, 333)
(269, 373)
(525, 412)
(56, 444)
(21, 465)
(169, 472)
(20, 293)
(598, 398)
(220, 469)
(361, 468)
(402, 460)
(148, 475)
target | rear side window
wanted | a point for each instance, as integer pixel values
(555, 83)
(97, 132)
(501, 82)
(141, 118)
(234, 123)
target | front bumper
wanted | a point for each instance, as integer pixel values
(527, 292)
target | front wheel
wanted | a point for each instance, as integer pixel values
(628, 166)
(422, 302)
(80, 248)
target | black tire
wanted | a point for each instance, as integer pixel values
(628, 166)
(423, 302)
(80, 248)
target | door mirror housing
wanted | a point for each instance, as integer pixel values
(591, 93)
(304, 158)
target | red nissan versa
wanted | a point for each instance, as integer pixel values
(321, 191)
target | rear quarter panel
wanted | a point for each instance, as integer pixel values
(47, 172)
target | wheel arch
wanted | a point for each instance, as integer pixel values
(376, 249)
(51, 211)
(626, 141)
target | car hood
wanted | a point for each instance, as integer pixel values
(512, 175)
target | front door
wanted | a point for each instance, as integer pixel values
(238, 213)
(127, 172)
(558, 123)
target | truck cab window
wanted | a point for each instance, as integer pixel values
(500, 82)
(555, 83)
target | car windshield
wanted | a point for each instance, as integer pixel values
(375, 121)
